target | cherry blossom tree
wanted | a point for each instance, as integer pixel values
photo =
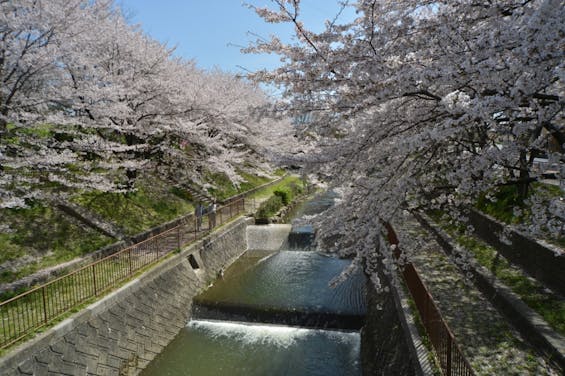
(88, 101)
(32, 151)
(422, 105)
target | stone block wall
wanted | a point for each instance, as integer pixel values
(123, 332)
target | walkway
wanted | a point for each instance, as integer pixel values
(490, 344)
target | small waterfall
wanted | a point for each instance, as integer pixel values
(243, 349)
(269, 238)
(301, 237)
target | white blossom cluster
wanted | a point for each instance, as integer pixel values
(88, 100)
(420, 105)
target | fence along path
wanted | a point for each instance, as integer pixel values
(449, 354)
(27, 312)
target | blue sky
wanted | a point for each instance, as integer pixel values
(213, 31)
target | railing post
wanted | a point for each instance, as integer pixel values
(448, 355)
(427, 311)
(44, 305)
(130, 263)
(94, 280)
(157, 242)
(178, 237)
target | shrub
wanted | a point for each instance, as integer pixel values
(285, 194)
(269, 207)
(296, 188)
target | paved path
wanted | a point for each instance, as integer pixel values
(490, 344)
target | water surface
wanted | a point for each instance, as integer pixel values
(229, 348)
(289, 281)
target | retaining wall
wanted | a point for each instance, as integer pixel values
(540, 261)
(390, 343)
(123, 332)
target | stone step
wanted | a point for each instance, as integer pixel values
(198, 195)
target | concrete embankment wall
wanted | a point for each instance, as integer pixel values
(542, 261)
(123, 332)
(390, 343)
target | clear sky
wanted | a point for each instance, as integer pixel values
(213, 31)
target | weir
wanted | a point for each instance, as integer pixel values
(237, 348)
(289, 288)
(273, 312)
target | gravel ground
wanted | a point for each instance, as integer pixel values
(491, 345)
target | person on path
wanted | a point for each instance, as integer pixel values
(199, 212)
(212, 214)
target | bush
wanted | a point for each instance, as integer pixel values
(506, 198)
(296, 188)
(269, 207)
(288, 193)
(285, 194)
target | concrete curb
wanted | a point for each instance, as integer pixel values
(528, 322)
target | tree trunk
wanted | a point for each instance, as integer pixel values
(524, 179)
(3, 129)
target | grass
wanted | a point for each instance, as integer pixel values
(549, 305)
(40, 237)
(72, 293)
(506, 198)
(224, 188)
(151, 205)
(269, 191)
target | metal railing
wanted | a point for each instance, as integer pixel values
(27, 312)
(451, 358)
(253, 190)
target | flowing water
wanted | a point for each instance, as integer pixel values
(273, 313)
(316, 205)
(231, 348)
(284, 281)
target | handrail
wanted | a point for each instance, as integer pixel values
(33, 309)
(253, 190)
(451, 358)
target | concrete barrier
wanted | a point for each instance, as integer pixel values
(541, 261)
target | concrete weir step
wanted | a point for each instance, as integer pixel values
(301, 237)
(280, 316)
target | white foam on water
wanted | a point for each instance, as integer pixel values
(274, 335)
